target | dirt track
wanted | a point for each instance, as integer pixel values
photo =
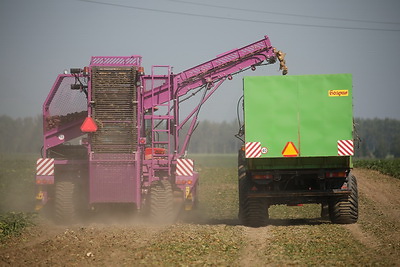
(296, 236)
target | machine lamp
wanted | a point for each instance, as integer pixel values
(89, 126)
(335, 174)
(262, 176)
(182, 182)
(141, 70)
(86, 71)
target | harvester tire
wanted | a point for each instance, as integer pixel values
(162, 202)
(253, 212)
(345, 210)
(65, 202)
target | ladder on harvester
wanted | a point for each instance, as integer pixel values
(160, 125)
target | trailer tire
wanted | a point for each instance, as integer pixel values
(162, 202)
(241, 175)
(242, 195)
(345, 210)
(253, 212)
(65, 202)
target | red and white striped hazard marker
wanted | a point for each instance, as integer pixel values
(45, 166)
(253, 149)
(184, 167)
(345, 147)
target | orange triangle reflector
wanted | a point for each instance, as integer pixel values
(290, 150)
(88, 126)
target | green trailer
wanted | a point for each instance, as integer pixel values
(298, 146)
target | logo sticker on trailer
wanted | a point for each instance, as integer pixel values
(335, 93)
(45, 166)
(253, 150)
(345, 147)
(184, 167)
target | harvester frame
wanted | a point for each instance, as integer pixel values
(105, 141)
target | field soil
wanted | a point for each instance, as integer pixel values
(212, 235)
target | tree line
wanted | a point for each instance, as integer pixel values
(378, 138)
(22, 135)
(374, 138)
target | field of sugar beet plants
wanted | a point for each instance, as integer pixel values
(210, 236)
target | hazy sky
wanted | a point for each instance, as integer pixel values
(41, 38)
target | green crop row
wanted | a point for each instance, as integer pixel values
(16, 193)
(386, 166)
(12, 223)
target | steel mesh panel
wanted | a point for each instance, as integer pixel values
(66, 105)
(65, 100)
(113, 157)
(115, 109)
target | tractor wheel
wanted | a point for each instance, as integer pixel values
(65, 202)
(162, 202)
(253, 212)
(345, 210)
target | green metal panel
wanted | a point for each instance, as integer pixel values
(311, 111)
(270, 114)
